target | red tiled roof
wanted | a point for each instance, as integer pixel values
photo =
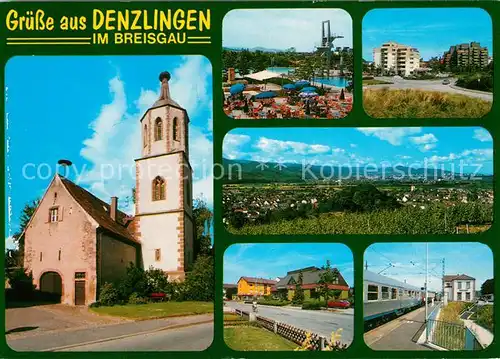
(99, 210)
(258, 280)
(448, 278)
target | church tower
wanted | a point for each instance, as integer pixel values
(163, 206)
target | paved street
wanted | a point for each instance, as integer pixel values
(429, 85)
(78, 336)
(319, 322)
(399, 333)
(193, 338)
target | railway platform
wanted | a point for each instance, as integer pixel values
(398, 334)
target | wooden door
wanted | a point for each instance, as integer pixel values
(80, 292)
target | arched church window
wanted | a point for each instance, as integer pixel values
(175, 126)
(159, 192)
(145, 135)
(158, 129)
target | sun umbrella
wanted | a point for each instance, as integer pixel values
(289, 87)
(308, 94)
(308, 89)
(302, 83)
(265, 94)
(236, 89)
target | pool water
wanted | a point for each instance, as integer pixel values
(280, 70)
(333, 81)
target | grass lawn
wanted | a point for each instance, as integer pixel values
(251, 338)
(375, 82)
(387, 103)
(233, 318)
(156, 310)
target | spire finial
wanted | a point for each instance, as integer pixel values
(165, 91)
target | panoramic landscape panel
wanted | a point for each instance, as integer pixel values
(407, 180)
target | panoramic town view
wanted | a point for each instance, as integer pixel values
(281, 297)
(428, 296)
(108, 247)
(404, 180)
(281, 70)
(432, 63)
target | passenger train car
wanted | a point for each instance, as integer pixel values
(384, 296)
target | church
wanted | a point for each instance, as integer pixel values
(76, 242)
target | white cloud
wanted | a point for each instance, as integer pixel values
(9, 243)
(232, 144)
(482, 135)
(479, 155)
(393, 135)
(115, 141)
(425, 142)
(353, 145)
(278, 147)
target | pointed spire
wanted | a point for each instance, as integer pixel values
(165, 98)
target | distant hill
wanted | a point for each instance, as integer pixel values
(244, 171)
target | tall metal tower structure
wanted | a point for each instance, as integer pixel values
(442, 279)
(327, 39)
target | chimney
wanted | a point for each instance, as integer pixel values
(113, 208)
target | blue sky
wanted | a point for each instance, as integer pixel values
(431, 31)
(284, 28)
(271, 260)
(87, 109)
(441, 146)
(473, 259)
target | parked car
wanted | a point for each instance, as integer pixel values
(446, 82)
(339, 304)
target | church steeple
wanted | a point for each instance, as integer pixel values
(165, 124)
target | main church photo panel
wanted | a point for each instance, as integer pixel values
(113, 210)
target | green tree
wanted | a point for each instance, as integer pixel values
(200, 282)
(298, 295)
(328, 277)
(203, 217)
(26, 214)
(487, 287)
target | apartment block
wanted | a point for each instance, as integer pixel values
(397, 58)
(466, 55)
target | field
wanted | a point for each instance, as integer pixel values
(156, 310)
(254, 338)
(357, 209)
(385, 103)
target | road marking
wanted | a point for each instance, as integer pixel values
(98, 341)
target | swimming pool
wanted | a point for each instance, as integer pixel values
(333, 81)
(280, 70)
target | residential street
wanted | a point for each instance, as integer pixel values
(319, 322)
(155, 334)
(428, 85)
(193, 338)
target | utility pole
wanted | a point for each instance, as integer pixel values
(366, 265)
(442, 280)
(426, 281)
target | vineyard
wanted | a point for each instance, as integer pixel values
(435, 219)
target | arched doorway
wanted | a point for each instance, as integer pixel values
(51, 285)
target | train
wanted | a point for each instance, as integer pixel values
(384, 297)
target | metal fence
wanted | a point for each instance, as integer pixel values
(451, 336)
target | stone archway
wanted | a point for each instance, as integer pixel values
(51, 285)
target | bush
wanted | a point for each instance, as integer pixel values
(157, 281)
(200, 282)
(109, 295)
(135, 281)
(95, 305)
(21, 284)
(276, 303)
(316, 305)
(484, 317)
(136, 299)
